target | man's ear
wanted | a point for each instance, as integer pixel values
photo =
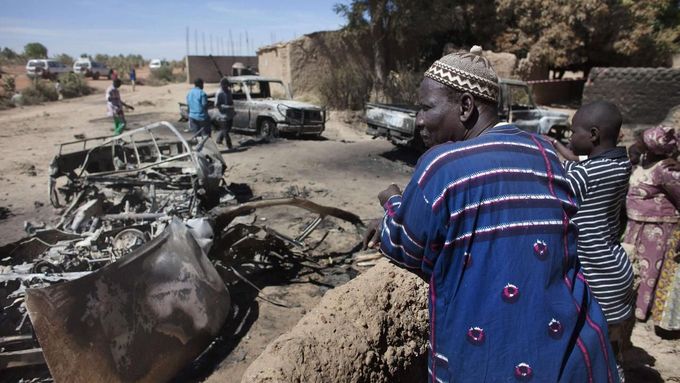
(594, 135)
(467, 106)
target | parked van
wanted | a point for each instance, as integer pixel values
(91, 68)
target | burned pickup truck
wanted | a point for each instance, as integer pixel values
(265, 106)
(516, 105)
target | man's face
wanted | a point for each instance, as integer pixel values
(439, 117)
(581, 138)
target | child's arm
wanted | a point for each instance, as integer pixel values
(577, 175)
(562, 150)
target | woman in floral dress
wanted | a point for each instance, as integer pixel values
(652, 208)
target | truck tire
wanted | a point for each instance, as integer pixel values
(95, 76)
(267, 128)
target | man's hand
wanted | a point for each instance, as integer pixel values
(371, 238)
(384, 195)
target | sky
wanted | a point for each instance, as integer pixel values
(158, 29)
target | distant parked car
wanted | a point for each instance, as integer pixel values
(45, 68)
(157, 64)
(90, 68)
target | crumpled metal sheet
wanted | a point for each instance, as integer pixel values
(140, 319)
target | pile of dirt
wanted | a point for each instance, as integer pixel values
(372, 329)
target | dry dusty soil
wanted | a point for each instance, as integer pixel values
(345, 169)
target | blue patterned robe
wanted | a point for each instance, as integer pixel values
(488, 221)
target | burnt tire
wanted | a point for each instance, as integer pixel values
(95, 76)
(267, 128)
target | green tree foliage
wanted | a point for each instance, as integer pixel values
(40, 91)
(8, 54)
(64, 59)
(412, 33)
(560, 34)
(120, 63)
(581, 34)
(74, 85)
(35, 51)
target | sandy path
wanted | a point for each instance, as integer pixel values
(347, 170)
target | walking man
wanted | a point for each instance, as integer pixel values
(224, 109)
(115, 106)
(197, 102)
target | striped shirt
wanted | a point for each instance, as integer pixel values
(488, 222)
(600, 184)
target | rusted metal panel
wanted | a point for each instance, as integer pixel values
(140, 319)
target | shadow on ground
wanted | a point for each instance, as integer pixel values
(639, 367)
(402, 154)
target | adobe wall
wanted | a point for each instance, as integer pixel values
(303, 62)
(644, 95)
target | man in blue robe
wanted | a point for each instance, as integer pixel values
(486, 219)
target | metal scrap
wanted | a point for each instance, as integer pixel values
(130, 284)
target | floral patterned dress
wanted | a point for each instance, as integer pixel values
(652, 219)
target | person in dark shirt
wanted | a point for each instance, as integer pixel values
(224, 108)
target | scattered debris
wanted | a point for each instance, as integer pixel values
(131, 281)
(5, 213)
(27, 169)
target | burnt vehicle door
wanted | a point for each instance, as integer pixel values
(241, 97)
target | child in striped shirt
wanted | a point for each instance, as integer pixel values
(600, 184)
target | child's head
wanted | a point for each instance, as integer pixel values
(595, 125)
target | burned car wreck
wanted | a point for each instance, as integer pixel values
(131, 283)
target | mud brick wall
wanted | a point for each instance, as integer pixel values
(303, 62)
(644, 95)
(372, 329)
(203, 67)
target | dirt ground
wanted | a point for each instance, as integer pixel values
(346, 168)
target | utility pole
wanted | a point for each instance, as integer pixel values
(203, 38)
(231, 43)
(240, 44)
(196, 42)
(187, 38)
(211, 45)
(247, 45)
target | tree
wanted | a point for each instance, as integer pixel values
(581, 34)
(412, 33)
(8, 54)
(64, 59)
(35, 51)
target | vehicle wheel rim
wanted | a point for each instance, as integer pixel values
(268, 129)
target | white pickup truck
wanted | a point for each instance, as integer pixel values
(45, 68)
(515, 104)
(90, 68)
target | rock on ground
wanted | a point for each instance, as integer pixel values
(372, 329)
